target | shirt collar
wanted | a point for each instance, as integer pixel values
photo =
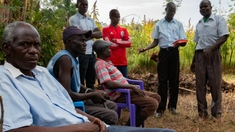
(81, 16)
(173, 20)
(15, 72)
(107, 60)
(212, 17)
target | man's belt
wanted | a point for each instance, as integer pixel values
(169, 48)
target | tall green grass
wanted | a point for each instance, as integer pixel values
(141, 37)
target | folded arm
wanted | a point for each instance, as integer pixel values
(125, 41)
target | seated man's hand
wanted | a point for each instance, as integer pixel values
(98, 98)
(136, 89)
(103, 93)
(101, 125)
(90, 127)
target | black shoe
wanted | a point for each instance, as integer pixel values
(173, 111)
(159, 113)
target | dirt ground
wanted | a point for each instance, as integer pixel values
(187, 83)
(187, 120)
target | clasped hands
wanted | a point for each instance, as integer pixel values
(135, 88)
(99, 97)
(94, 126)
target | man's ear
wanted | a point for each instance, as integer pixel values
(6, 48)
(77, 5)
(104, 50)
(69, 42)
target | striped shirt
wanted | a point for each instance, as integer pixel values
(106, 71)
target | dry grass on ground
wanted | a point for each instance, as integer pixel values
(188, 120)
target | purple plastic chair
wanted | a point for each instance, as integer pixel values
(128, 104)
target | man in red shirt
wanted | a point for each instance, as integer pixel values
(120, 39)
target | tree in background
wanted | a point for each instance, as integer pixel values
(51, 16)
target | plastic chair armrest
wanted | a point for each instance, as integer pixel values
(136, 82)
(127, 92)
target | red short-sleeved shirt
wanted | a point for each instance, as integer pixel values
(122, 39)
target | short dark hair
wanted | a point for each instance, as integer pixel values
(111, 12)
(207, 1)
(170, 4)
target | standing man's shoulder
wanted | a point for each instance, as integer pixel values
(219, 18)
(178, 22)
(105, 28)
(74, 20)
(75, 16)
(159, 22)
(123, 28)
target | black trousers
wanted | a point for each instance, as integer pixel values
(87, 70)
(168, 77)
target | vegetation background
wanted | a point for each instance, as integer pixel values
(50, 17)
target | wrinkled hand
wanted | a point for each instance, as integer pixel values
(89, 127)
(101, 125)
(192, 67)
(207, 52)
(136, 89)
(98, 98)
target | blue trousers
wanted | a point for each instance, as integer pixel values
(136, 129)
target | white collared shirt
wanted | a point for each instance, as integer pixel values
(207, 33)
(168, 32)
(40, 100)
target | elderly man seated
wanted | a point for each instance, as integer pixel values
(33, 99)
(146, 102)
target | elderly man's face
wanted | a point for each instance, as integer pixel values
(24, 52)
